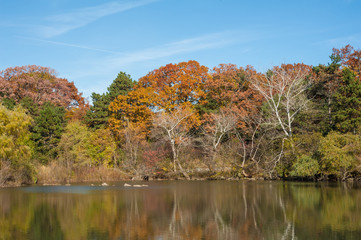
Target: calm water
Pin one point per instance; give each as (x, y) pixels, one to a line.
(182, 210)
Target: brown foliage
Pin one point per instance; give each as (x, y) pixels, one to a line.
(77, 113)
(56, 173)
(230, 88)
(39, 84)
(349, 57)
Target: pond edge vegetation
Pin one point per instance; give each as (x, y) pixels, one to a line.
(185, 121)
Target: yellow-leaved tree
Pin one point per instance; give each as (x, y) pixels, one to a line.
(130, 121)
(15, 146)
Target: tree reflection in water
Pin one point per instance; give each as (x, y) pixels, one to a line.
(45, 224)
(184, 210)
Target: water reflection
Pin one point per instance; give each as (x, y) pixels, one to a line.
(45, 224)
(183, 210)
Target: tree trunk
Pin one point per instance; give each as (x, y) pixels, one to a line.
(175, 156)
(183, 171)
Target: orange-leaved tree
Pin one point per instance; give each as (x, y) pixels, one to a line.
(168, 91)
(135, 108)
(176, 84)
(178, 89)
(163, 89)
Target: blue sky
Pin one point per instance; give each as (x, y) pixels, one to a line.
(89, 42)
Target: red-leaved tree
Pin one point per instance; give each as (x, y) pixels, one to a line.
(40, 84)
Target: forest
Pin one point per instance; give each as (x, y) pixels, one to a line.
(185, 121)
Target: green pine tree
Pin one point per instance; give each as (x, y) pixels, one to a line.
(321, 94)
(120, 86)
(97, 116)
(347, 103)
(47, 131)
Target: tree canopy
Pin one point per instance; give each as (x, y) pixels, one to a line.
(39, 84)
(186, 120)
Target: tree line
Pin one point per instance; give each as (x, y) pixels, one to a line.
(293, 121)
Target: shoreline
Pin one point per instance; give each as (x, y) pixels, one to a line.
(97, 182)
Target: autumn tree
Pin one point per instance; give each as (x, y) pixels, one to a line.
(348, 57)
(39, 84)
(162, 89)
(133, 142)
(165, 88)
(73, 146)
(135, 107)
(230, 86)
(81, 148)
(102, 148)
(130, 121)
(15, 146)
(230, 89)
(176, 84)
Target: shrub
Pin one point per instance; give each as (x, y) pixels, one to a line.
(305, 166)
(339, 154)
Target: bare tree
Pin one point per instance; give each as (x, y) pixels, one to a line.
(284, 89)
(176, 125)
(251, 137)
(217, 126)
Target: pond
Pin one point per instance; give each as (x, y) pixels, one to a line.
(183, 210)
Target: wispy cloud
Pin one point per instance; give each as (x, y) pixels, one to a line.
(70, 45)
(354, 39)
(106, 66)
(209, 41)
(63, 23)
(205, 42)
(144, 60)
